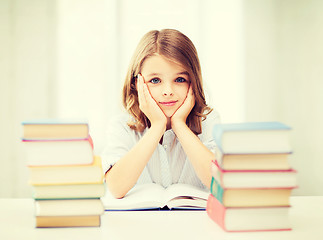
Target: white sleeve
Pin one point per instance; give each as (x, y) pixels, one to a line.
(206, 136)
(119, 140)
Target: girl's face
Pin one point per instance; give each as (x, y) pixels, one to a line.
(167, 82)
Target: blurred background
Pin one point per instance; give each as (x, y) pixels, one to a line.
(262, 60)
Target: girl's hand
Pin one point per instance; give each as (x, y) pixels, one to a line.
(148, 105)
(184, 110)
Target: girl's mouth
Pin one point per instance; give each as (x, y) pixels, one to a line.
(169, 103)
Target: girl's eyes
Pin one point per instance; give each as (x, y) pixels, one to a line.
(157, 80)
(180, 80)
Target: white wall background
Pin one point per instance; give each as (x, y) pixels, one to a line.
(261, 61)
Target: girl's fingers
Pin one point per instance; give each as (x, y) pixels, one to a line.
(140, 88)
(149, 98)
(146, 91)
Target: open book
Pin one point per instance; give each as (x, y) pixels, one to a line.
(154, 196)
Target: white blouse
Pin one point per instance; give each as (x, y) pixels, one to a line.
(169, 163)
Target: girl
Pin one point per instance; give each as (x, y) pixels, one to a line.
(168, 137)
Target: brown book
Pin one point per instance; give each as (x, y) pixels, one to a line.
(53, 129)
(68, 221)
(251, 197)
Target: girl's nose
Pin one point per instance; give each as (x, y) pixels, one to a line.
(167, 94)
(168, 91)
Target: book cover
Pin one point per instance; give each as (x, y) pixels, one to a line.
(66, 175)
(154, 196)
(254, 178)
(252, 137)
(251, 197)
(248, 219)
(68, 221)
(58, 152)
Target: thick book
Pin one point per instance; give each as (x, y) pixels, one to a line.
(68, 221)
(252, 137)
(251, 197)
(68, 191)
(58, 152)
(272, 161)
(254, 178)
(69, 207)
(154, 196)
(55, 129)
(248, 219)
(66, 175)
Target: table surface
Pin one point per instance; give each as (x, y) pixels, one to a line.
(17, 221)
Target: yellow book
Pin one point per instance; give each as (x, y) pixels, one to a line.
(68, 191)
(70, 174)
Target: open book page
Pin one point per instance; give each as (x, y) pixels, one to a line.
(185, 196)
(143, 196)
(153, 196)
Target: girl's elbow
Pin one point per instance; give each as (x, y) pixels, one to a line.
(115, 189)
(118, 195)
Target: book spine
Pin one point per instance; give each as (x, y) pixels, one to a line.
(216, 211)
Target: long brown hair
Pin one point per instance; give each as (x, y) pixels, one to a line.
(178, 48)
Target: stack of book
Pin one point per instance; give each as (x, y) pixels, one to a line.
(252, 178)
(66, 177)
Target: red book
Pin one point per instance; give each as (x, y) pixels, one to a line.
(248, 219)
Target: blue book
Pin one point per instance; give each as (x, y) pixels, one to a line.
(252, 137)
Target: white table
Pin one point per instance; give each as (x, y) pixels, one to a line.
(17, 221)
